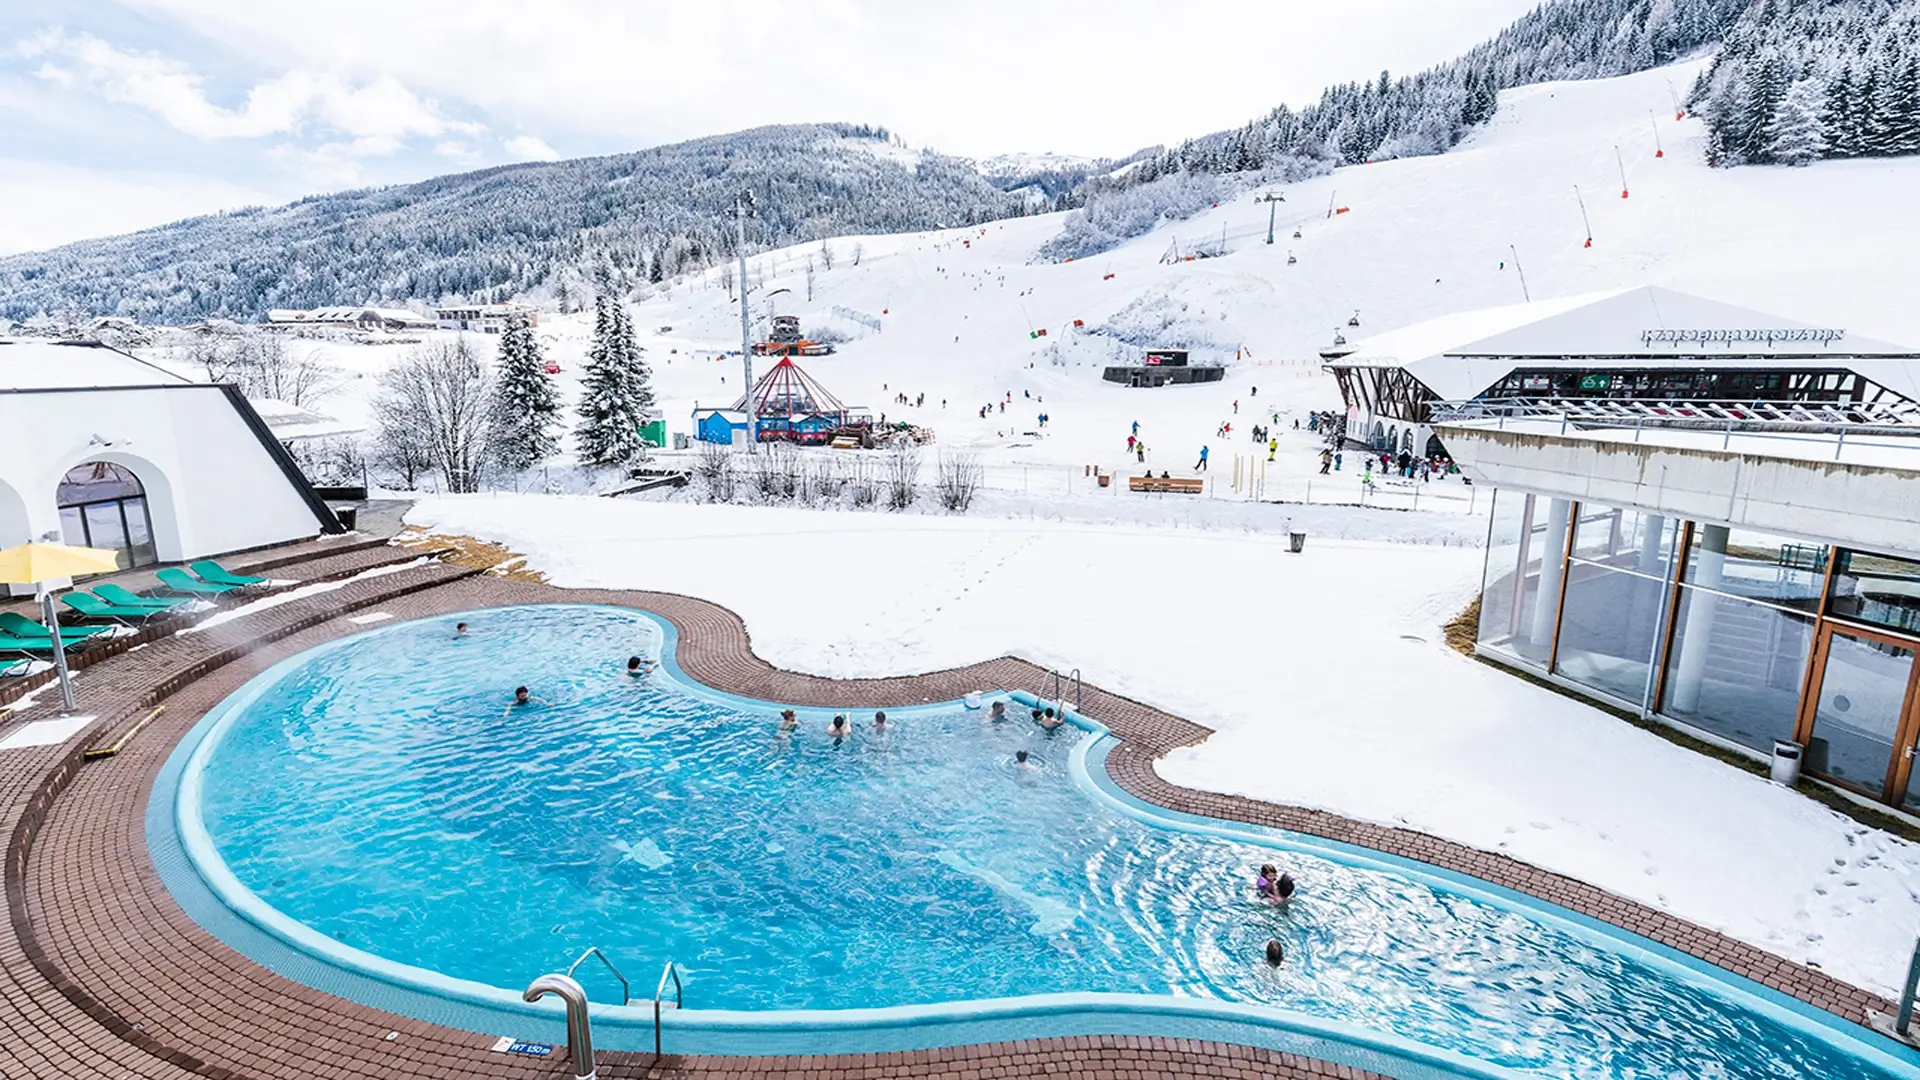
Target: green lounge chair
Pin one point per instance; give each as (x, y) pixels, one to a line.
(180, 581)
(211, 571)
(93, 607)
(18, 626)
(125, 597)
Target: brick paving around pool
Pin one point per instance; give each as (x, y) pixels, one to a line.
(102, 974)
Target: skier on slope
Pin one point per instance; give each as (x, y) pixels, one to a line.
(1201, 465)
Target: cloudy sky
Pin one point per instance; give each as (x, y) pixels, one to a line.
(118, 114)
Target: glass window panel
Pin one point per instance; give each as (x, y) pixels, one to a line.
(96, 481)
(1609, 628)
(1877, 589)
(1626, 539)
(1912, 799)
(73, 527)
(139, 532)
(1512, 578)
(1862, 698)
(1777, 569)
(1736, 668)
(104, 530)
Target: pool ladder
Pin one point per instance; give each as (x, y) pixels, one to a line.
(1058, 682)
(574, 996)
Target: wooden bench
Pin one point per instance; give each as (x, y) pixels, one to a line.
(1184, 485)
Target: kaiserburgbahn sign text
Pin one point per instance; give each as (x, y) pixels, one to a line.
(1768, 336)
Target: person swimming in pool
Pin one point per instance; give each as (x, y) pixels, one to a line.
(880, 725)
(1273, 886)
(1046, 719)
(839, 729)
(788, 721)
(1276, 952)
(521, 696)
(998, 712)
(1022, 760)
(639, 667)
(459, 629)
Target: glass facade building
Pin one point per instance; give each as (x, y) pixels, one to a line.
(1743, 636)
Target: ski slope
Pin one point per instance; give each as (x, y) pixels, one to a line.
(1832, 244)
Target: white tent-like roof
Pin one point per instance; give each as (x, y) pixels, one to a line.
(290, 423)
(39, 364)
(1458, 356)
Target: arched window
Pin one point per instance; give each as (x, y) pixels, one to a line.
(103, 505)
(1406, 441)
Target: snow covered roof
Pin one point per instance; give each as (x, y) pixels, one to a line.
(738, 416)
(59, 365)
(1458, 356)
(290, 422)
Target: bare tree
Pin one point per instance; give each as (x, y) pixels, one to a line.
(956, 480)
(715, 467)
(436, 398)
(903, 474)
(809, 279)
(283, 374)
(826, 254)
(726, 278)
(860, 484)
(859, 249)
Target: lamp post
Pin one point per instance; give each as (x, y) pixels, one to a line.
(742, 208)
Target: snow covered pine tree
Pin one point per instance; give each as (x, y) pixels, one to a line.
(1797, 134)
(526, 407)
(615, 390)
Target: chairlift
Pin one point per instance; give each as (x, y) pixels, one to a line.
(1290, 259)
(1338, 337)
(1296, 234)
(1355, 321)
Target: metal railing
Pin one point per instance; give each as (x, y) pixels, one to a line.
(1903, 1024)
(1059, 685)
(626, 992)
(579, 1028)
(1890, 425)
(672, 971)
(1904, 416)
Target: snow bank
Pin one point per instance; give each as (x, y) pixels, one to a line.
(1322, 674)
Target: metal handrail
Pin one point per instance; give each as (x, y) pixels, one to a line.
(672, 970)
(626, 992)
(1076, 691)
(579, 1028)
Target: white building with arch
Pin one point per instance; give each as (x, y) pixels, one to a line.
(107, 450)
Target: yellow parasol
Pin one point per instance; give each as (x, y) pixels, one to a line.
(36, 563)
(32, 563)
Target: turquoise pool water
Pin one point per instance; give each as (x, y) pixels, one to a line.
(381, 793)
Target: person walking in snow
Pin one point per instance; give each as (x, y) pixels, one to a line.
(1201, 465)
(1140, 449)
(1130, 441)
(1236, 406)
(1136, 427)
(1337, 455)
(1326, 461)
(1273, 447)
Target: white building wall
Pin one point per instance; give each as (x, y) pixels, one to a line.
(211, 486)
(1870, 506)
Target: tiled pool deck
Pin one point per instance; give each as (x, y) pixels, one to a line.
(102, 974)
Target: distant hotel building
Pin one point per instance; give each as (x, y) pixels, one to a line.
(351, 318)
(485, 318)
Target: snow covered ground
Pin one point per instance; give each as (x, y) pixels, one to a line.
(1835, 244)
(1323, 675)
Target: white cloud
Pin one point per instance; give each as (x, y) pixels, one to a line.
(530, 148)
(986, 77)
(378, 109)
(70, 203)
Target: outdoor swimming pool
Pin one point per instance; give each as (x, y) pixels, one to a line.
(379, 791)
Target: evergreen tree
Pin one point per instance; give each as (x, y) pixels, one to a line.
(1797, 135)
(525, 408)
(612, 391)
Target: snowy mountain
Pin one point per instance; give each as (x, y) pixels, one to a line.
(556, 231)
